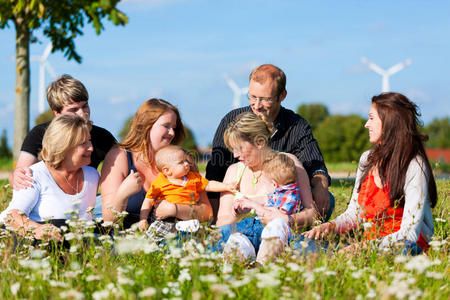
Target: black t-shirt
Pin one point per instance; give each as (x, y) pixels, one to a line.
(102, 141)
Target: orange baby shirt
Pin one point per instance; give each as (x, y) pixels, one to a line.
(163, 189)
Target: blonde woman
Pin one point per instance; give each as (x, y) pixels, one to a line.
(62, 181)
(130, 168)
(247, 137)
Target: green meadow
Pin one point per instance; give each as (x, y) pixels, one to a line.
(130, 266)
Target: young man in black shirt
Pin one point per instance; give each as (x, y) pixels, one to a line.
(66, 95)
(267, 89)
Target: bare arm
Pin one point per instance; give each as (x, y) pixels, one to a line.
(321, 196)
(217, 186)
(18, 220)
(225, 214)
(116, 184)
(20, 178)
(145, 211)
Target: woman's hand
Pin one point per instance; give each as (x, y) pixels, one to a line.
(320, 231)
(268, 214)
(164, 209)
(132, 183)
(47, 232)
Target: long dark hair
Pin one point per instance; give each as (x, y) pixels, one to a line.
(399, 143)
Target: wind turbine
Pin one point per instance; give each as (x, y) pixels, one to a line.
(43, 65)
(236, 90)
(386, 73)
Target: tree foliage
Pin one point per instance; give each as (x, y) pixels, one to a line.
(61, 21)
(342, 138)
(438, 132)
(46, 116)
(5, 152)
(314, 113)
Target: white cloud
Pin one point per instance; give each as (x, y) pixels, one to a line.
(418, 96)
(122, 98)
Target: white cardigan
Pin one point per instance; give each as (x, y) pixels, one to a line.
(417, 217)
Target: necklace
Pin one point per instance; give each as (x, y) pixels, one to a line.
(255, 178)
(74, 189)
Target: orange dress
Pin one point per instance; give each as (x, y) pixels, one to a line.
(163, 189)
(377, 209)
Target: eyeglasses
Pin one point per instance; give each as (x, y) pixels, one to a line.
(264, 100)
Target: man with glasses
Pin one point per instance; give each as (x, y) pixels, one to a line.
(266, 91)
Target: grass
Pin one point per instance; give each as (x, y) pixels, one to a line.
(6, 164)
(135, 268)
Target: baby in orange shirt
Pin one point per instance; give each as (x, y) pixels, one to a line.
(176, 183)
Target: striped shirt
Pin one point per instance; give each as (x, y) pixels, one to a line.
(293, 135)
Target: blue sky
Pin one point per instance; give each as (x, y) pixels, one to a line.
(178, 50)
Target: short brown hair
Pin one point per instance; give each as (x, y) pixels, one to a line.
(280, 168)
(137, 139)
(65, 90)
(264, 72)
(64, 132)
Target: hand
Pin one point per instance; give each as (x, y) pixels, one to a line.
(320, 231)
(231, 187)
(143, 225)
(132, 183)
(164, 209)
(243, 206)
(267, 214)
(22, 178)
(47, 232)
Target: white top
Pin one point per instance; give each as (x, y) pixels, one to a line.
(45, 200)
(417, 217)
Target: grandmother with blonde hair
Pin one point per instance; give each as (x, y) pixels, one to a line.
(247, 136)
(63, 183)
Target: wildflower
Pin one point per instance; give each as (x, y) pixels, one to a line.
(434, 275)
(37, 253)
(222, 289)
(309, 277)
(357, 274)
(71, 294)
(69, 236)
(147, 292)
(73, 249)
(54, 283)
(239, 283)
(100, 295)
(209, 278)
(367, 225)
(316, 296)
(93, 278)
(107, 224)
(266, 280)
(122, 280)
(184, 275)
(418, 263)
(371, 294)
(15, 288)
(440, 220)
(294, 267)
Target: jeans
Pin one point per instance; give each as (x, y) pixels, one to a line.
(250, 227)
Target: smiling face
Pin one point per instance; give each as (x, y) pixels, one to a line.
(80, 155)
(263, 99)
(163, 130)
(374, 125)
(248, 153)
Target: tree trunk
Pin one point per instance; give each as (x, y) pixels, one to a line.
(22, 88)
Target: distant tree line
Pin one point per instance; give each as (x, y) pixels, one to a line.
(340, 137)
